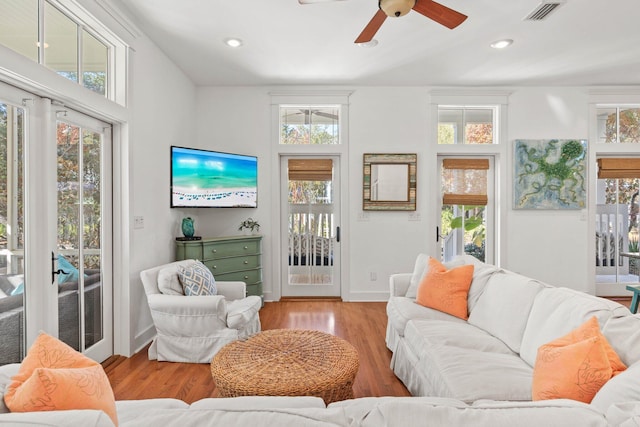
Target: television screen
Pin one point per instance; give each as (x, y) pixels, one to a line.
(211, 179)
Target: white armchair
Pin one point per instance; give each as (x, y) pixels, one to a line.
(194, 328)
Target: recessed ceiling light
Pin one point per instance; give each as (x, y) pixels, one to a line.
(233, 42)
(370, 43)
(501, 44)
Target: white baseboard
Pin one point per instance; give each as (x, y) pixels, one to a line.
(381, 296)
(144, 338)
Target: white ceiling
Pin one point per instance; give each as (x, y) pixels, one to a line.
(583, 42)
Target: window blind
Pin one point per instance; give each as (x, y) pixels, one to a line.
(310, 169)
(464, 181)
(618, 168)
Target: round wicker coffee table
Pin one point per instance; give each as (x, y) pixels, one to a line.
(287, 362)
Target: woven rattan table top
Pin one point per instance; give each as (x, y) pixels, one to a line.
(287, 362)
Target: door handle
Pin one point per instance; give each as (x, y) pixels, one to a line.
(53, 270)
(337, 234)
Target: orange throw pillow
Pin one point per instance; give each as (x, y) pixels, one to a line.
(54, 376)
(446, 290)
(575, 366)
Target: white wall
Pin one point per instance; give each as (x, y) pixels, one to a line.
(162, 109)
(548, 245)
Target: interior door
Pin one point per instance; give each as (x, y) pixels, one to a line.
(310, 224)
(83, 229)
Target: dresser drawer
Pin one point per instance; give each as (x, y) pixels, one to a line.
(228, 249)
(224, 265)
(248, 276)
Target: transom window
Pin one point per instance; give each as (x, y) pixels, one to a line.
(467, 125)
(309, 124)
(618, 124)
(47, 33)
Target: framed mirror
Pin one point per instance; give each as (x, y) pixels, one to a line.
(389, 182)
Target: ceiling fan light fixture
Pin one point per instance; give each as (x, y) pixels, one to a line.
(396, 8)
(370, 43)
(233, 42)
(501, 44)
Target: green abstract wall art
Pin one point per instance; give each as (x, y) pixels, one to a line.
(550, 174)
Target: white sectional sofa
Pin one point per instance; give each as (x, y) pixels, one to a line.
(491, 355)
(474, 372)
(312, 412)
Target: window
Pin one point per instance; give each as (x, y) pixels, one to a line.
(309, 125)
(618, 124)
(463, 227)
(68, 46)
(617, 221)
(466, 125)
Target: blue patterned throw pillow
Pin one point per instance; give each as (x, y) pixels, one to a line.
(196, 279)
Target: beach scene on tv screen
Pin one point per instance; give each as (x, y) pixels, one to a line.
(212, 179)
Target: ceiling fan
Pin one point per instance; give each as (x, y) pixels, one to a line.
(396, 8)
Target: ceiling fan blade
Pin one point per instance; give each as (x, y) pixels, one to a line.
(439, 13)
(372, 27)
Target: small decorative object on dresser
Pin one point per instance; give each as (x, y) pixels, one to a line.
(187, 227)
(229, 258)
(249, 225)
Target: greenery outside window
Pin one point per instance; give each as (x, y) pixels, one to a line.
(618, 124)
(467, 125)
(309, 124)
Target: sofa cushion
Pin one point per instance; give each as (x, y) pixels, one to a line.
(196, 279)
(570, 370)
(446, 290)
(624, 387)
(429, 411)
(401, 310)
(470, 375)
(503, 309)
(420, 269)
(459, 361)
(168, 281)
(556, 311)
(623, 333)
(53, 376)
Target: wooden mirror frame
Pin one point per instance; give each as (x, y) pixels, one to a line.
(369, 159)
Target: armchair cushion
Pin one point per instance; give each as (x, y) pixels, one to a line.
(168, 282)
(196, 279)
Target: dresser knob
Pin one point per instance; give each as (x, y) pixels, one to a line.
(215, 267)
(246, 262)
(215, 251)
(246, 247)
(246, 277)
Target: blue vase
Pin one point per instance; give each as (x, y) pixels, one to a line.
(187, 227)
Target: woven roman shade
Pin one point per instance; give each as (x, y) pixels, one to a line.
(310, 169)
(618, 168)
(464, 181)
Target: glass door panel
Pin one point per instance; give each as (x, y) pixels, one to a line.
(13, 285)
(80, 302)
(312, 250)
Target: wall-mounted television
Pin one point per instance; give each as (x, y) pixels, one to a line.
(212, 179)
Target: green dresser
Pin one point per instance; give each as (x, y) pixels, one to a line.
(229, 258)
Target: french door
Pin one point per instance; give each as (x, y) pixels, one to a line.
(310, 250)
(55, 227)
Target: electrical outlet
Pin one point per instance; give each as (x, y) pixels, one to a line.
(363, 216)
(138, 222)
(373, 276)
(414, 216)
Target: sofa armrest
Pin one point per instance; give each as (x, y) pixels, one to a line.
(399, 283)
(232, 290)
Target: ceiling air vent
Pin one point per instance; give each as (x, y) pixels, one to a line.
(543, 10)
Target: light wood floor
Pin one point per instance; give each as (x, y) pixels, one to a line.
(362, 324)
